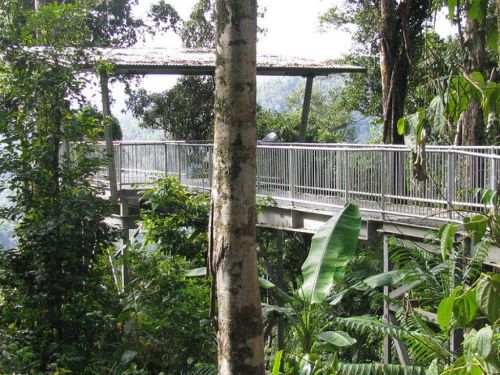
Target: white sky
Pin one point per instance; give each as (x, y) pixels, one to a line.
(292, 29)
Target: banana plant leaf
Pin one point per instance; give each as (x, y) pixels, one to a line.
(332, 247)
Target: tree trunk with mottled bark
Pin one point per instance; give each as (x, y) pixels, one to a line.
(473, 130)
(233, 257)
(393, 68)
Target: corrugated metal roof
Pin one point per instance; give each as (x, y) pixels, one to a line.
(202, 61)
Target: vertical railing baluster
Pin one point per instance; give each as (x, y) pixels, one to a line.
(450, 183)
(210, 165)
(165, 148)
(346, 174)
(382, 182)
(119, 166)
(493, 173)
(291, 173)
(179, 162)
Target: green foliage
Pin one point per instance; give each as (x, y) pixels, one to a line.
(376, 369)
(57, 311)
(185, 112)
(164, 320)
(328, 119)
(332, 247)
(175, 220)
(90, 119)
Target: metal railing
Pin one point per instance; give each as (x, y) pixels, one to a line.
(378, 178)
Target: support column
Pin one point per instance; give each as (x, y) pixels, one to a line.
(387, 338)
(108, 135)
(124, 214)
(401, 349)
(305, 109)
(281, 284)
(306, 105)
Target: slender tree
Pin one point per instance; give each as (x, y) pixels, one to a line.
(400, 25)
(233, 259)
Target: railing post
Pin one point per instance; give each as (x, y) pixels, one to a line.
(210, 165)
(494, 184)
(119, 166)
(450, 183)
(257, 179)
(291, 173)
(165, 150)
(346, 174)
(382, 182)
(179, 161)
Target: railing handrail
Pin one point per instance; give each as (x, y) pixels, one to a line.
(377, 177)
(462, 150)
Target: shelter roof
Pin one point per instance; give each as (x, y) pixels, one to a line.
(202, 62)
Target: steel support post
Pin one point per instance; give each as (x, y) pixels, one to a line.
(305, 109)
(450, 183)
(108, 135)
(124, 214)
(387, 268)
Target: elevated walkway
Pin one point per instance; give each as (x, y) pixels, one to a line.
(302, 185)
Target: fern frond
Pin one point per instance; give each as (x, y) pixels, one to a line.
(473, 268)
(377, 369)
(368, 323)
(205, 369)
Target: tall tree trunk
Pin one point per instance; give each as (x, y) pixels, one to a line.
(472, 121)
(400, 24)
(234, 258)
(40, 3)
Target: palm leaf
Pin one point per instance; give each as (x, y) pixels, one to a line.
(332, 247)
(376, 369)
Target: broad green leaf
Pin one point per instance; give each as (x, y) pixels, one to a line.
(492, 37)
(465, 308)
(371, 282)
(401, 125)
(128, 356)
(477, 10)
(452, 4)
(332, 247)
(458, 96)
(435, 114)
(414, 126)
(268, 285)
(338, 297)
(277, 362)
(384, 279)
(488, 296)
(283, 311)
(447, 238)
(197, 272)
(484, 342)
(477, 77)
(445, 310)
(432, 369)
(476, 227)
(339, 339)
